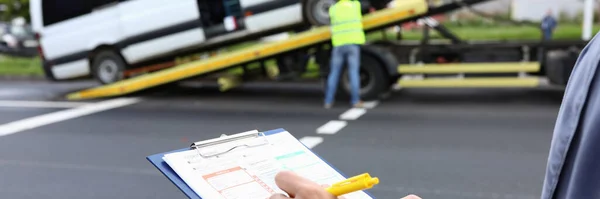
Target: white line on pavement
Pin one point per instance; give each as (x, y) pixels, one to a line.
(80, 167)
(332, 127)
(353, 114)
(41, 120)
(39, 104)
(371, 104)
(310, 141)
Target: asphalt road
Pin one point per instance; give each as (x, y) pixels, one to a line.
(464, 143)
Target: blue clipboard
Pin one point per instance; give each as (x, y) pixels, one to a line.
(166, 170)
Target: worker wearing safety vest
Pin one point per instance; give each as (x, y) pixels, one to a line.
(347, 35)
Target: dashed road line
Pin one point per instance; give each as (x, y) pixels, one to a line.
(80, 167)
(46, 119)
(371, 104)
(451, 193)
(310, 141)
(332, 127)
(353, 114)
(40, 104)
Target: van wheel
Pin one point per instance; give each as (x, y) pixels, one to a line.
(380, 4)
(108, 67)
(317, 11)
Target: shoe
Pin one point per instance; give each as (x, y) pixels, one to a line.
(328, 106)
(359, 104)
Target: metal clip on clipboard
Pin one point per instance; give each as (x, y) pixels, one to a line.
(224, 144)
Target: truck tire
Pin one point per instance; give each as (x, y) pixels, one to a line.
(108, 67)
(316, 12)
(374, 77)
(291, 65)
(559, 65)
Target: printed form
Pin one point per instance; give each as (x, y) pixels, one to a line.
(249, 173)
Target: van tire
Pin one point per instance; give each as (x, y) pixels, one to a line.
(317, 11)
(108, 67)
(379, 4)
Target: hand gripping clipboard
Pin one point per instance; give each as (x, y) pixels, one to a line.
(203, 148)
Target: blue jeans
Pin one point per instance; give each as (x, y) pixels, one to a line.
(350, 53)
(547, 34)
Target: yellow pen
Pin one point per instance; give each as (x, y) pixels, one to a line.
(356, 183)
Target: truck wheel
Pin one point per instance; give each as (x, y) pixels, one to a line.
(108, 67)
(291, 65)
(374, 80)
(559, 65)
(317, 11)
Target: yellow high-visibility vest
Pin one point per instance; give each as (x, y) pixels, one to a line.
(346, 23)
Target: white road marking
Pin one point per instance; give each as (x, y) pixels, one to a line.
(451, 193)
(371, 104)
(39, 104)
(81, 167)
(41, 120)
(310, 141)
(353, 114)
(332, 127)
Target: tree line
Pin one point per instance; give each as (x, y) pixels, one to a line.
(10, 9)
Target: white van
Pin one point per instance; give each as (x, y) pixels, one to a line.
(104, 38)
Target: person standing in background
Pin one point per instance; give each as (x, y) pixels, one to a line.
(347, 35)
(548, 25)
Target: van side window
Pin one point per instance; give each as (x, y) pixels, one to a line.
(55, 11)
(100, 3)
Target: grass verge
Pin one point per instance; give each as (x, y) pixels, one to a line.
(563, 32)
(17, 66)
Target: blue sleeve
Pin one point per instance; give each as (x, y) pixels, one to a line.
(567, 123)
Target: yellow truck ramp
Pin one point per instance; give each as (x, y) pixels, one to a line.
(409, 8)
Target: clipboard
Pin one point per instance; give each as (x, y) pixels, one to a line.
(165, 169)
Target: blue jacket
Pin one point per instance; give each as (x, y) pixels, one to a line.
(573, 170)
(548, 23)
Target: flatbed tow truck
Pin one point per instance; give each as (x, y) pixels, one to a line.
(384, 64)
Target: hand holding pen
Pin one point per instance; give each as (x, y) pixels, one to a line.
(301, 188)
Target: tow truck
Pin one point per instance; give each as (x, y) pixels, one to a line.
(384, 64)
